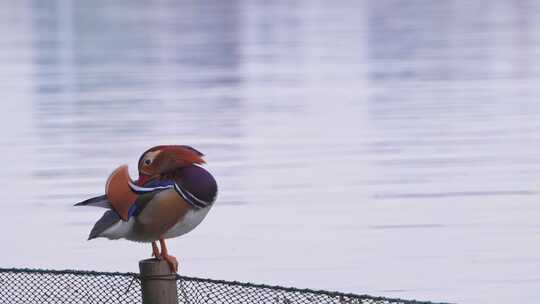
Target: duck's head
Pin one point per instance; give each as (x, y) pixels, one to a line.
(160, 160)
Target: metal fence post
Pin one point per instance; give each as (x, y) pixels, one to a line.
(158, 282)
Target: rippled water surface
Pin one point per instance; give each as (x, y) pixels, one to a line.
(381, 147)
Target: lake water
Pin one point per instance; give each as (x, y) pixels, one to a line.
(380, 147)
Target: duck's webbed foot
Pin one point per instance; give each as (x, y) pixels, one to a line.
(171, 260)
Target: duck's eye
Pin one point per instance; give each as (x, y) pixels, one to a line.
(147, 161)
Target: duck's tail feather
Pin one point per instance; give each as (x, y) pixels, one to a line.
(109, 219)
(98, 201)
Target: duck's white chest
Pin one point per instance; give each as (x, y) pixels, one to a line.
(191, 220)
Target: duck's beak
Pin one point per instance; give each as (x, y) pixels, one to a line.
(143, 178)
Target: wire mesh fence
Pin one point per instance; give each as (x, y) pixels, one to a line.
(30, 286)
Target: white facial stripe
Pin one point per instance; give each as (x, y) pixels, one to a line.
(148, 156)
(151, 155)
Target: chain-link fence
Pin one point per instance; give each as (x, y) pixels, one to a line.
(70, 286)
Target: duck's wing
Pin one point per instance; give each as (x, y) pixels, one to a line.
(118, 195)
(141, 203)
(107, 225)
(107, 220)
(98, 201)
(122, 195)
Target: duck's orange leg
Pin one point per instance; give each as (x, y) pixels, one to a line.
(155, 251)
(173, 263)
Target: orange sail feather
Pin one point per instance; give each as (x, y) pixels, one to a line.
(119, 193)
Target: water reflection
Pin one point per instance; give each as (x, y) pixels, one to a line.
(450, 97)
(110, 83)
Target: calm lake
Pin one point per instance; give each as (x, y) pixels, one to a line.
(379, 147)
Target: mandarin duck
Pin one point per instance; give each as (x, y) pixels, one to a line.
(172, 195)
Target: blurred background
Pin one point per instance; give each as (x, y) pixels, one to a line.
(380, 147)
